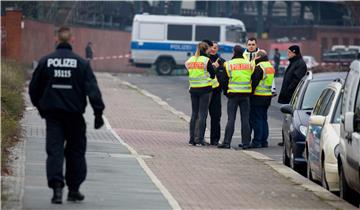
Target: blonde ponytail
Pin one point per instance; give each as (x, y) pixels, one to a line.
(202, 46)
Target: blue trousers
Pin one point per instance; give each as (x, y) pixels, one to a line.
(259, 124)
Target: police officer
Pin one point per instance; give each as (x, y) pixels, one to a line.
(250, 53)
(251, 49)
(239, 89)
(262, 79)
(201, 73)
(58, 89)
(215, 99)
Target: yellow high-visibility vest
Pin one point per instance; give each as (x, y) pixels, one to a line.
(198, 74)
(264, 87)
(239, 71)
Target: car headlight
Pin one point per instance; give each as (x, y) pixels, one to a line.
(303, 130)
(336, 150)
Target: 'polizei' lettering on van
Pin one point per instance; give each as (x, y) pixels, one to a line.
(62, 62)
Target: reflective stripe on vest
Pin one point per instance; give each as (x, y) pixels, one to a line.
(239, 71)
(198, 74)
(264, 87)
(215, 83)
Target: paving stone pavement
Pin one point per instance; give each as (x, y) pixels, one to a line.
(115, 179)
(197, 177)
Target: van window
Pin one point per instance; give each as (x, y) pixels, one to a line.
(179, 32)
(151, 31)
(336, 117)
(207, 32)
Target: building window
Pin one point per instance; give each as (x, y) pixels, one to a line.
(324, 43)
(207, 32)
(346, 41)
(180, 32)
(356, 41)
(335, 41)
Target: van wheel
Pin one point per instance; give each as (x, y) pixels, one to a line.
(164, 66)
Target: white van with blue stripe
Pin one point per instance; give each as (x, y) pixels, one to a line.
(168, 41)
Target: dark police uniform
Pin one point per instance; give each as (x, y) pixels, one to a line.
(59, 88)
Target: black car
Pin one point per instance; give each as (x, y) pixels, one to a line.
(297, 113)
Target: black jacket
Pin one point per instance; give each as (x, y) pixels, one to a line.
(256, 77)
(293, 74)
(61, 82)
(89, 52)
(211, 71)
(226, 84)
(219, 72)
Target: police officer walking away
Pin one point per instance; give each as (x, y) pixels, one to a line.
(262, 79)
(201, 73)
(215, 99)
(58, 89)
(239, 72)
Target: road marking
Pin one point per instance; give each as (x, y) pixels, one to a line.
(173, 203)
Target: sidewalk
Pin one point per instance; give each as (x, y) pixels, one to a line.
(115, 178)
(202, 177)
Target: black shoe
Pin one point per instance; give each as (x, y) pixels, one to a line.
(281, 144)
(75, 196)
(214, 143)
(224, 146)
(252, 145)
(191, 143)
(57, 197)
(264, 145)
(245, 146)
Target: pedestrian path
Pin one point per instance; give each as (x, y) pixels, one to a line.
(201, 177)
(115, 178)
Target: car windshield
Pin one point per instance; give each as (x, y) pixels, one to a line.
(312, 93)
(235, 34)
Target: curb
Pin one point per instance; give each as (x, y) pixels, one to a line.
(288, 173)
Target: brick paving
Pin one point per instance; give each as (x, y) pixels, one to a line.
(197, 177)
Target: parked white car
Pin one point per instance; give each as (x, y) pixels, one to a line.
(349, 147)
(323, 137)
(310, 61)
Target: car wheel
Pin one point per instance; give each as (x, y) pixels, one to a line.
(296, 167)
(323, 177)
(285, 158)
(308, 167)
(164, 66)
(346, 192)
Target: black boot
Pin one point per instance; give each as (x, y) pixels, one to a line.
(57, 198)
(224, 146)
(75, 196)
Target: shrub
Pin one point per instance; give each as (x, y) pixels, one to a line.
(13, 77)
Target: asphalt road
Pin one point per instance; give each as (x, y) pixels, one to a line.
(174, 90)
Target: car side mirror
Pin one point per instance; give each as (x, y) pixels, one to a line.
(317, 120)
(286, 109)
(349, 122)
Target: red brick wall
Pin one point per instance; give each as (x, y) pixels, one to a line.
(11, 35)
(40, 39)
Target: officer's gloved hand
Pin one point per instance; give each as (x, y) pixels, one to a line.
(99, 121)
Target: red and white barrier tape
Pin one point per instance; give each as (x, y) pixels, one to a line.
(112, 57)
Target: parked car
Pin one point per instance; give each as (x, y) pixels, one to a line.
(323, 136)
(310, 61)
(349, 147)
(297, 113)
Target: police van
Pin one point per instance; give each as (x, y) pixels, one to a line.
(166, 42)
